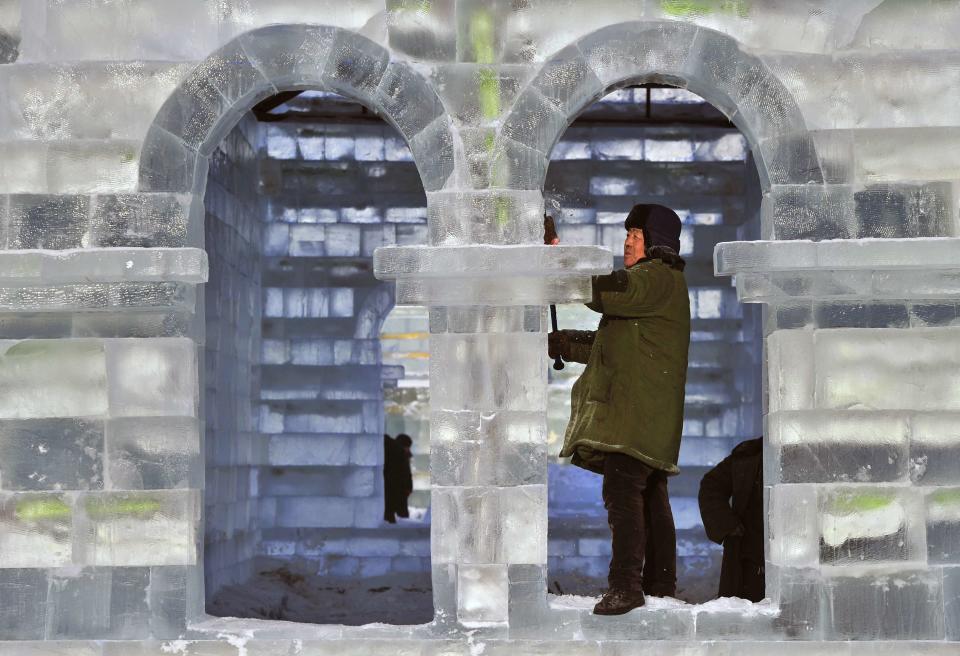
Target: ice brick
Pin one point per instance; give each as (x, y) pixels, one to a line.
(138, 528)
(422, 31)
(482, 593)
(902, 605)
(37, 529)
(23, 592)
(522, 354)
(150, 453)
(51, 454)
(89, 100)
(99, 603)
(935, 448)
(793, 526)
(951, 601)
(152, 377)
(801, 599)
(355, 65)
(485, 217)
(887, 368)
(943, 526)
(52, 378)
(842, 447)
(865, 524)
(530, 614)
(72, 32)
(790, 370)
(473, 449)
(100, 166)
(290, 55)
(809, 212)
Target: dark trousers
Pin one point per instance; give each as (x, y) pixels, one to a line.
(640, 518)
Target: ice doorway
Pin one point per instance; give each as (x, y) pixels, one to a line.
(298, 196)
(658, 144)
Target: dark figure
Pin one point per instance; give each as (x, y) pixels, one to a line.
(397, 476)
(739, 528)
(627, 407)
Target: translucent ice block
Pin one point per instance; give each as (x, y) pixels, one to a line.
(524, 515)
(93, 100)
(935, 448)
(793, 526)
(24, 591)
(522, 354)
(139, 528)
(888, 368)
(72, 32)
(943, 526)
(844, 446)
(52, 378)
(152, 377)
(99, 602)
(51, 454)
(92, 166)
(37, 530)
(152, 453)
(482, 593)
(870, 524)
(790, 370)
(896, 605)
(289, 55)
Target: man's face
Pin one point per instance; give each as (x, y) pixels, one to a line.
(634, 248)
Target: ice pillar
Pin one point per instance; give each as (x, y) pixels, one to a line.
(488, 379)
(861, 448)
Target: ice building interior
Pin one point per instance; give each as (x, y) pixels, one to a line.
(218, 218)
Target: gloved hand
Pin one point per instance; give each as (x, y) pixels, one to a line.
(557, 344)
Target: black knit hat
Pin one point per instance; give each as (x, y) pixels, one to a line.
(661, 225)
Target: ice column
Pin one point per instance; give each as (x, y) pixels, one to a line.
(862, 450)
(488, 377)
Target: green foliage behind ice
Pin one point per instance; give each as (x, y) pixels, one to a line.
(948, 497)
(693, 8)
(44, 509)
(103, 509)
(857, 502)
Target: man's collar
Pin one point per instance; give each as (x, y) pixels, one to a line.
(640, 261)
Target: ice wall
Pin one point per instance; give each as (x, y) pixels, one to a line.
(233, 306)
(111, 113)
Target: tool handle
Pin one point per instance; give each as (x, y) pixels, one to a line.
(557, 361)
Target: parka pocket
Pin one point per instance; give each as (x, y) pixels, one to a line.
(601, 379)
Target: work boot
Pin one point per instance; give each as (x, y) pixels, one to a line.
(618, 602)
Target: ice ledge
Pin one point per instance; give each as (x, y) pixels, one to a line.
(27, 268)
(483, 261)
(842, 269)
(491, 275)
(928, 253)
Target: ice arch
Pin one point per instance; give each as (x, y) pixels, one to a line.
(709, 63)
(265, 61)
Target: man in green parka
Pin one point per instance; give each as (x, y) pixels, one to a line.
(627, 408)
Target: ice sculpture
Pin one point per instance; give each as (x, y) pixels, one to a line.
(111, 113)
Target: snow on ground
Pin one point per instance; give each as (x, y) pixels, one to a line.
(722, 605)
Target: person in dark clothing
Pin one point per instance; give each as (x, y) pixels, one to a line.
(731, 505)
(626, 414)
(397, 476)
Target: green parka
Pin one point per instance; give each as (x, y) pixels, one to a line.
(630, 397)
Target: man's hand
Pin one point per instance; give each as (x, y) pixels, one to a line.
(557, 344)
(550, 237)
(734, 535)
